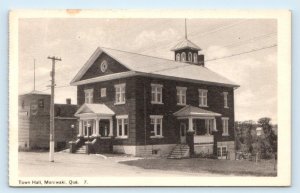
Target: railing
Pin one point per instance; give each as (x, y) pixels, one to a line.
(203, 139)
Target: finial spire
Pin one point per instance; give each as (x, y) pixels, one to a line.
(185, 29)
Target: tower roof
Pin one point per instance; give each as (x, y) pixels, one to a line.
(184, 44)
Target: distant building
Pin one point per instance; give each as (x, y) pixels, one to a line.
(144, 105)
(34, 121)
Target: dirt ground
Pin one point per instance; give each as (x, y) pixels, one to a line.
(82, 165)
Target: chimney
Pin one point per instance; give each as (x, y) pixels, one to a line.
(68, 101)
(201, 60)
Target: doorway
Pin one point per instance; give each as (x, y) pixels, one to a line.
(183, 130)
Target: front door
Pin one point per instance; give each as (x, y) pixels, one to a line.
(104, 128)
(183, 129)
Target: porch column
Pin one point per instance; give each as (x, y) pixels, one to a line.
(190, 124)
(80, 129)
(97, 127)
(215, 125)
(110, 127)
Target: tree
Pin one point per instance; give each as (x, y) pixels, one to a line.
(269, 138)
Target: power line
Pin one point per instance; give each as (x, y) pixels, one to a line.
(247, 52)
(247, 40)
(229, 56)
(196, 34)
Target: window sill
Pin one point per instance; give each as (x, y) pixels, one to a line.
(225, 135)
(181, 104)
(157, 103)
(226, 107)
(156, 137)
(106, 137)
(119, 103)
(121, 137)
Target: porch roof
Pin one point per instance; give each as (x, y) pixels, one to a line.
(92, 109)
(191, 111)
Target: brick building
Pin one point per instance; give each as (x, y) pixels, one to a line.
(143, 105)
(34, 121)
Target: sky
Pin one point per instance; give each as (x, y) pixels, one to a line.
(228, 45)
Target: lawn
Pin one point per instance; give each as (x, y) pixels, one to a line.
(197, 165)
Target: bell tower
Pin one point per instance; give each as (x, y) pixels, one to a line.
(187, 51)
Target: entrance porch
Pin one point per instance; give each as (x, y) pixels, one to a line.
(197, 127)
(95, 129)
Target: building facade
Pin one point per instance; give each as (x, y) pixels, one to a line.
(143, 105)
(34, 122)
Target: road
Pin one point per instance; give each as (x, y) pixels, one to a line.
(82, 165)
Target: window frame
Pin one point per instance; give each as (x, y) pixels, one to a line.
(155, 123)
(121, 92)
(190, 57)
(225, 127)
(122, 118)
(221, 156)
(103, 92)
(155, 92)
(203, 95)
(89, 96)
(180, 92)
(178, 57)
(195, 58)
(183, 57)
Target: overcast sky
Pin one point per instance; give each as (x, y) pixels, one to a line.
(74, 40)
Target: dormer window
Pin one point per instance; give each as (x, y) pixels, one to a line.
(190, 57)
(195, 58)
(183, 57)
(177, 57)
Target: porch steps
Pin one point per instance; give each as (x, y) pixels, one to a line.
(81, 150)
(180, 151)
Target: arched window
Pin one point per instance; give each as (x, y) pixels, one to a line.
(190, 57)
(183, 57)
(195, 57)
(177, 57)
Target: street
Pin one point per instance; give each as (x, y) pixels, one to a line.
(81, 165)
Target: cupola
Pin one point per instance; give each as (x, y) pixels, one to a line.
(187, 51)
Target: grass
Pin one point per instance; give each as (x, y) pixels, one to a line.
(198, 165)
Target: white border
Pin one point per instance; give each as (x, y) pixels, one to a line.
(284, 95)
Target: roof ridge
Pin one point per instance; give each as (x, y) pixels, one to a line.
(143, 55)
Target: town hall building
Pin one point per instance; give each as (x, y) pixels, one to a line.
(148, 106)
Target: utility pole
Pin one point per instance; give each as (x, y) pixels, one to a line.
(52, 73)
(34, 75)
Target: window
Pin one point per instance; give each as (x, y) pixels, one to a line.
(41, 103)
(120, 93)
(190, 57)
(183, 57)
(103, 92)
(156, 126)
(181, 95)
(225, 94)
(122, 126)
(89, 95)
(222, 152)
(177, 57)
(156, 94)
(88, 127)
(195, 57)
(209, 126)
(225, 125)
(202, 97)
